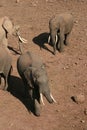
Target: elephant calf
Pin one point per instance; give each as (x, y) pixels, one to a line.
(33, 72)
(60, 27)
(5, 66)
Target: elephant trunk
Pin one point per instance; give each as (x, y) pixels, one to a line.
(37, 108)
(48, 97)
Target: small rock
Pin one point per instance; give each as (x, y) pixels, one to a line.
(76, 21)
(80, 98)
(76, 63)
(85, 64)
(34, 3)
(85, 111)
(82, 121)
(74, 86)
(17, 1)
(66, 67)
(57, 110)
(73, 126)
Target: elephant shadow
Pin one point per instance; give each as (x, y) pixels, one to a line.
(41, 40)
(17, 89)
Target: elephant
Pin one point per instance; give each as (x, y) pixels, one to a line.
(5, 67)
(7, 27)
(33, 73)
(60, 27)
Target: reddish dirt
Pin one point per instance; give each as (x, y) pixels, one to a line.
(67, 71)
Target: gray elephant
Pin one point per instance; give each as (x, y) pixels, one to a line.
(7, 27)
(33, 72)
(5, 67)
(60, 27)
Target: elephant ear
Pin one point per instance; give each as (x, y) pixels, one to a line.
(7, 25)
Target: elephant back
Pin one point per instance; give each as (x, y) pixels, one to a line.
(36, 60)
(29, 59)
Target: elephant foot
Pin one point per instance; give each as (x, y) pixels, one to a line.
(6, 86)
(61, 50)
(66, 43)
(54, 52)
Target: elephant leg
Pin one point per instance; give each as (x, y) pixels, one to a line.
(58, 42)
(58, 46)
(66, 42)
(54, 48)
(1, 83)
(30, 91)
(6, 83)
(61, 41)
(54, 40)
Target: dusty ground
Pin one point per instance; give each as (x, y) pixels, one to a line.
(67, 71)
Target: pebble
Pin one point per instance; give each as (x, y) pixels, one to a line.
(80, 98)
(85, 111)
(82, 121)
(17, 1)
(76, 22)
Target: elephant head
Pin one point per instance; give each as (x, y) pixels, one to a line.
(41, 79)
(9, 27)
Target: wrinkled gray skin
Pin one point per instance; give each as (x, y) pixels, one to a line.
(33, 73)
(7, 27)
(60, 25)
(5, 66)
